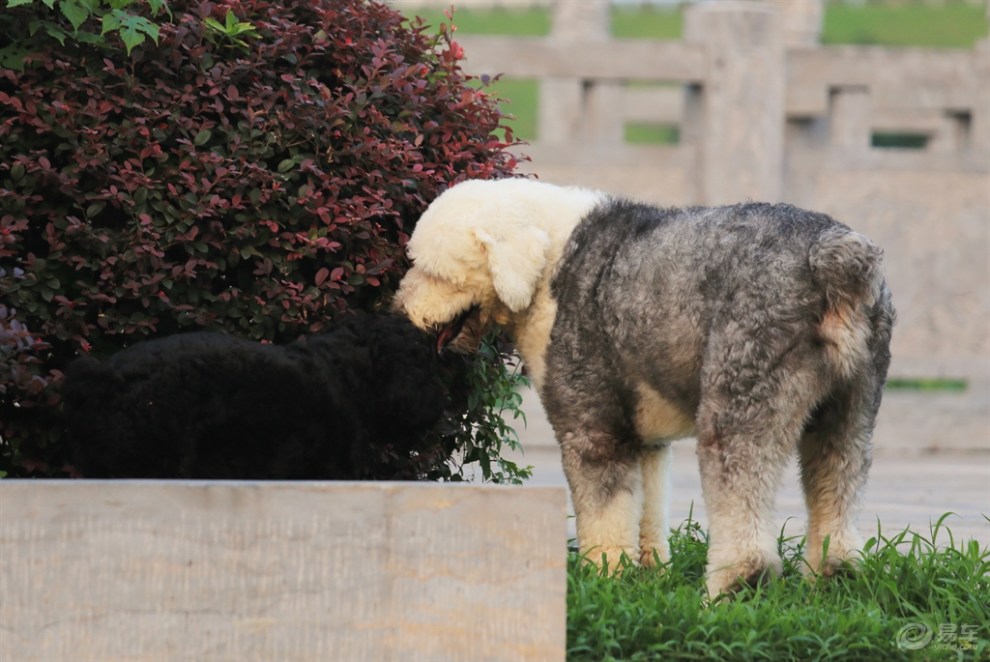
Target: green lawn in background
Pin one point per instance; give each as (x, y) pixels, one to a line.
(644, 133)
(646, 23)
(952, 24)
(522, 22)
(520, 99)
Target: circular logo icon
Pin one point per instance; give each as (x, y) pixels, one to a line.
(913, 636)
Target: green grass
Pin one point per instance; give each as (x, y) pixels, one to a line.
(927, 384)
(906, 579)
(949, 25)
(520, 98)
(953, 24)
(522, 22)
(644, 133)
(646, 23)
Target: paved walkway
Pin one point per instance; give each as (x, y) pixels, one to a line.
(908, 486)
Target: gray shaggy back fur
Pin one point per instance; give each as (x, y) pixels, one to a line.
(652, 294)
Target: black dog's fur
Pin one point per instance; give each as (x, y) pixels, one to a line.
(209, 405)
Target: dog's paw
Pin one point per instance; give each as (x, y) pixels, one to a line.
(837, 561)
(653, 555)
(838, 556)
(834, 567)
(726, 576)
(611, 560)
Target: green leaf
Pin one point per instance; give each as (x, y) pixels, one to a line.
(55, 32)
(202, 137)
(157, 6)
(18, 3)
(214, 24)
(147, 27)
(131, 38)
(89, 38)
(12, 57)
(111, 22)
(95, 209)
(132, 28)
(74, 12)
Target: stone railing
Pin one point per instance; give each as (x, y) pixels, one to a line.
(764, 112)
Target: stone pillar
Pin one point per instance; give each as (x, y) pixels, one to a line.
(741, 100)
(560, 108)
(563, 101)
(602, 122)
(849, 119)
(580, 19)
(802, 21)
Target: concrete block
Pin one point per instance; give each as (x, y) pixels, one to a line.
(280, 571)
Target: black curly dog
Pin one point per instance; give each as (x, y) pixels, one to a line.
(209, 405)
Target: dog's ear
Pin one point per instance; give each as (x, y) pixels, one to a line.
(516, 263)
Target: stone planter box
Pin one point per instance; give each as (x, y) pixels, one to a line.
(280, 571)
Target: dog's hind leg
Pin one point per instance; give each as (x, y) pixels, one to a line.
(655, 464)
(748, 425)
(607, 490)
(835, 449)
(835, 456)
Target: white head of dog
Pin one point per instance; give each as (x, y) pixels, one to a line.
(483, 254)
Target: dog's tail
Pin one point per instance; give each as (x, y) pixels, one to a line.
(849, 268)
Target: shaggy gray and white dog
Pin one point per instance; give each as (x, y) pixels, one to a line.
(757, 328)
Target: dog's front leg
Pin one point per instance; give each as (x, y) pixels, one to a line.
(607, 491)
